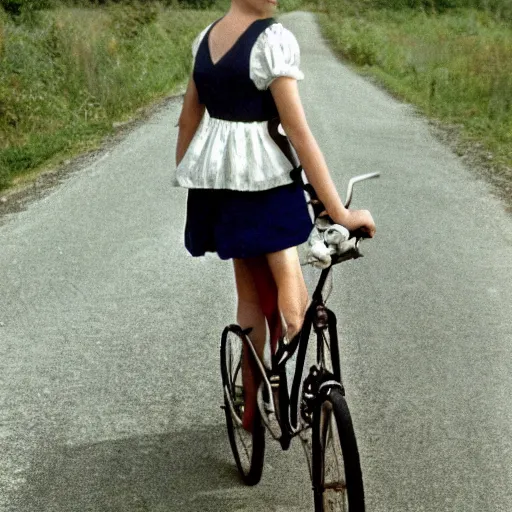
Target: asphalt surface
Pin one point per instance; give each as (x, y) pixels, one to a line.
(109, 331)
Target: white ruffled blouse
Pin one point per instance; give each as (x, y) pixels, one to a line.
(242, 155)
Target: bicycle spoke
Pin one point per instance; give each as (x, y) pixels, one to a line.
(335, 487)
(242, 442)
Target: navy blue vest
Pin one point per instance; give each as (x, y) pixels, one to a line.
(226, 88)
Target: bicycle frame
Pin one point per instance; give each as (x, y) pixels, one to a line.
(322, 320)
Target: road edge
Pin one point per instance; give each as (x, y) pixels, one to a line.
(43, 181)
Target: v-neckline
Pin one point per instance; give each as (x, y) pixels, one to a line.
(214, 64)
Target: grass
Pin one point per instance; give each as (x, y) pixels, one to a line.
(456, 67)
(70, 74)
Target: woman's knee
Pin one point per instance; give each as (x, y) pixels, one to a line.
(292, 291)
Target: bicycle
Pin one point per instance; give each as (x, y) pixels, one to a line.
(314, 408)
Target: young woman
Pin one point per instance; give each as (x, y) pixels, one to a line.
(242, 202)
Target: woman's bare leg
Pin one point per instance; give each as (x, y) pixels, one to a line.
(267, 293)
(266, 287)
(292, 291)
(250, 314)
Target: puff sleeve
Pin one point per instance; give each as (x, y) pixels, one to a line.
(276, 53)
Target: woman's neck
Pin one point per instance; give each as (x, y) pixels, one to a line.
(243, 14)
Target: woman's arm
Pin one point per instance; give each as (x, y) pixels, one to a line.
(286, 96)
(191, 114)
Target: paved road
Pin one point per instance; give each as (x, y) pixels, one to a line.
(109, 388)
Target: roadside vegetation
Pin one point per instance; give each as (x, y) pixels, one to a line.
(72, 70)
(68, 75)
(454, 63)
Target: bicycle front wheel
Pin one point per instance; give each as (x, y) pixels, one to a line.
(336, 469)
(248, 448)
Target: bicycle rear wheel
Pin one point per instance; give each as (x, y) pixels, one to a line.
(336, 470)
(248, 448)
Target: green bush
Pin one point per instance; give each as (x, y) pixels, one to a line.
(64, 82)
(499, 9)
(17, 7)
(456, 67)
(197, 4)
(129, 20)
(290, 5)
(5, 177)
(3, 21)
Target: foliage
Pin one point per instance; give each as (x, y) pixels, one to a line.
(290, 5)
(499, 9)
(66, 74)
(65, 81)
(198, 4)
(16, 7)
(456, 66)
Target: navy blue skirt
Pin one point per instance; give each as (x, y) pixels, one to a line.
(237, 224)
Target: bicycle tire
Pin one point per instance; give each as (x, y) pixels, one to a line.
(248, 448)
(336, 469)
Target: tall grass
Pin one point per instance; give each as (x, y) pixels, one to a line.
(69, 74)
(497, 9)
(456, 66)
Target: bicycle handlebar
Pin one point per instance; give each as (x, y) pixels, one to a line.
(357, 179)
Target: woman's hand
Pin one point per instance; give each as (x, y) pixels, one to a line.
(357, 219)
